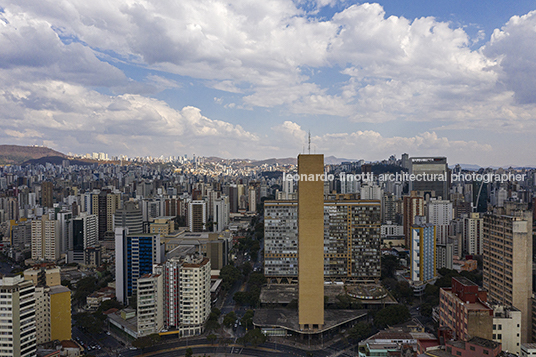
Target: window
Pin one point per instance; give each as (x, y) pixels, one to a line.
(459, 353)
(500, 327)
(486, 352)
(472, 348)
(499, 336)
(493, 337)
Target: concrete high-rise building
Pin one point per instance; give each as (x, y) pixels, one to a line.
(233, 198)
(352, 239)
(440, 214)
(65, 232)
(473, 230)
(45, 239)
(134, 256)
(422, 255)
(104, 204)
(53, 313)
(130, 217)
(389, 211)
(186, 293)
(150, 304)
(43, 275)
(18, 323)
(507, 328)
(413, 207)
(463, 309)
(507, 256)
(173, 207)
(405, 162)
(85, 235)
(371, 192)
(252, 199)
(444, 255)
(47, 189)
(21, 235)
(433, 174)
(281, 239)
(53, 303)
(197, 218)
(221, 213)
(310, 242)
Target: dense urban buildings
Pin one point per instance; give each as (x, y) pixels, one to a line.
(179, 223)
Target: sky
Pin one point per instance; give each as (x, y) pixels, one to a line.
(250, 79)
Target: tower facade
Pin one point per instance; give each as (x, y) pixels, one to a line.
(310, 242)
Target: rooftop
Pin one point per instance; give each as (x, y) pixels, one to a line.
(288, 318)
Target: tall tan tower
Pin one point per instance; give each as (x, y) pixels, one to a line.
(310, 242)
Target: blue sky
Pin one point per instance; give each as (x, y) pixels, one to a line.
(249, 79)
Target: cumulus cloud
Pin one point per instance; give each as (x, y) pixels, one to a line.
(375, 144)
(512, 47)
(57, 109)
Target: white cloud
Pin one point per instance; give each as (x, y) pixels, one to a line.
(512, 47)
(57, 109)
(359, 65)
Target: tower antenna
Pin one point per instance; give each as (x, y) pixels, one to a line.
(309, 143)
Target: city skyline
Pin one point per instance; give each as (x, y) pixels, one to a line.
(249, 80)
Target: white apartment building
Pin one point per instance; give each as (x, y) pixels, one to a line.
(507, 328)
(186, 293)
(17, 308)
(150, 305)
(440, 213)
(45, 239)
(473, 230)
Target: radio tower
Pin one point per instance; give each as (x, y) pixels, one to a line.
(309, 143)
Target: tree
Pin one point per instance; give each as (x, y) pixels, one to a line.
(146, 341)
(216, 311)
(67, 283)
(89, 322)
(391, 315)
(257, 278)
(426, 309)
(255, 337)
(389, 266)
(84, 287)
(360, 331)
(109, 304)
(189, 352)
(246, 268)
(211, 338)
(240, 297)
(212, 322)
(229, 319)
(247, 319)
(343, 301)
(229, 274)
(405, 291)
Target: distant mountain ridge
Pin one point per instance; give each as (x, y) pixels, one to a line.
(17, 155)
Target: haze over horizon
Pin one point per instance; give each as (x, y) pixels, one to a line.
(248, 79)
